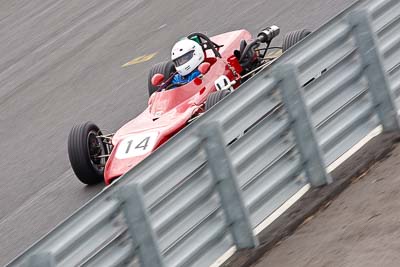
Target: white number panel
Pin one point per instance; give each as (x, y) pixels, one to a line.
(136, 145)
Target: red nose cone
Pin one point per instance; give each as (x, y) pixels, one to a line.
(157, 79)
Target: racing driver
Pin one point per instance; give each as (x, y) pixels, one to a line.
(186, 55)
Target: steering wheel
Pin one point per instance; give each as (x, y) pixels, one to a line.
(169, 86)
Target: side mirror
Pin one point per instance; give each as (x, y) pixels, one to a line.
(204, 67)
(157, 79)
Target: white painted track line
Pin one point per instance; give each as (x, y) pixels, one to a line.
(285, 206)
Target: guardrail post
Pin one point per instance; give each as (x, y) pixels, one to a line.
(379, 87)
(139, 225)
(219, 162)
(302, 126)
(41, 259)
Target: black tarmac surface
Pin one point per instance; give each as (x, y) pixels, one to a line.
(61, 64)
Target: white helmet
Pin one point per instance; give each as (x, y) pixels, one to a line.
(187, 55)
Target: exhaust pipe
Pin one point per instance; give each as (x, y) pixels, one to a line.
(266, 35)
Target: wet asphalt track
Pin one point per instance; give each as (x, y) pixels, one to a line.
(60, 64)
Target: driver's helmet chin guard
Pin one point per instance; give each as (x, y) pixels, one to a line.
(187, 55)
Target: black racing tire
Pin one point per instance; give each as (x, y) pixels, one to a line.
(82, 146)
(292, 38)
(166, 68)
(215, 97)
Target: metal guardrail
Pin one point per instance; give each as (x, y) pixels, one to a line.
(209, 187)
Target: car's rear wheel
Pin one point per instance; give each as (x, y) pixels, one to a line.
(86, 153)
(166, 68)
(215, 97)
(291, 38)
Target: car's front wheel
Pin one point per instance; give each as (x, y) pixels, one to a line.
(87, 152)
(166, 68)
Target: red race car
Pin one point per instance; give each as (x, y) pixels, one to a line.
(229, 59)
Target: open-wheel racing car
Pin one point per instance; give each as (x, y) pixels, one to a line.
(229, 59)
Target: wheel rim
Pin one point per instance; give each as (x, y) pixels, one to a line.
(96, 150)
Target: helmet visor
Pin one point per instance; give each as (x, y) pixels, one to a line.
(183, 59)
